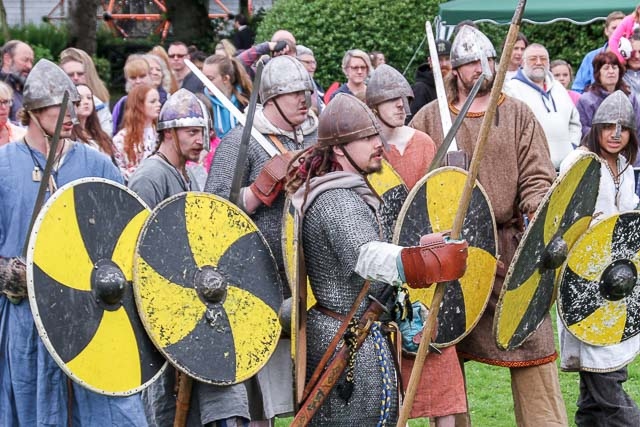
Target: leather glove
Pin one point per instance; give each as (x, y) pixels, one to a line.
(13, 277)
(437, 259)
(270, 181)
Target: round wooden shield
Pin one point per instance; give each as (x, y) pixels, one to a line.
(431, 207)
(529, 286)
(79, 270)
(207, 288)
(598, 294)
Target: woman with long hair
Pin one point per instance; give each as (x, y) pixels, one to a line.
(164, 56)
(159, 75)
(608, 74)
(228, 75)
(79, 66)
(136, 73)
(137, 139)
(89, 130)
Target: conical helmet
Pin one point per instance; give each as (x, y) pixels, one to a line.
(284, 74)
(45, 86)
(468, 45)
(616, 109)
(386, 83)
(182, 109)
(346, 119)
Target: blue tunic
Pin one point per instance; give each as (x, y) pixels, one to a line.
(33, 389)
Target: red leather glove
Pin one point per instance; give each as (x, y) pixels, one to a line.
(270, 181)
(435, 260)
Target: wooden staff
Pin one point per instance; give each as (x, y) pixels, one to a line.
(478, 152)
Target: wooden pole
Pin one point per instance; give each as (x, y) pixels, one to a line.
(496, 91)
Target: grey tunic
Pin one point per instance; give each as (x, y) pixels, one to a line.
(336, 225)
(156, 180)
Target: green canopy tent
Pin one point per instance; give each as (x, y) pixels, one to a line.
(536, 11)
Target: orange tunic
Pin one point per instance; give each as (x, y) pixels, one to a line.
(441, 388)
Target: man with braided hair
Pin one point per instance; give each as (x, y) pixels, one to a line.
(285, 119)
(33, 389)
(346, 257)
(441, 393)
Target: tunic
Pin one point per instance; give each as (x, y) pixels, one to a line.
(516, 170)
(33, 389)
(441, 388)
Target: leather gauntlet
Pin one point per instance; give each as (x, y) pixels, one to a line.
(435, 260)
(270, 181)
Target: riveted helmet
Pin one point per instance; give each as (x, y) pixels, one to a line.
(284, 74)
(469, 45)
(184, 109)
(616, 109)
(45, 86)
(346, 119)
(386, 83)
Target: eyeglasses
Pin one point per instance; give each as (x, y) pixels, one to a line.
(358, 68)
(6, 102)
(308, 61)
(177, 55)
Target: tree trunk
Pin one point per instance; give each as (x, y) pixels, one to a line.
(3, 22)
(82, 24)
(190, 22)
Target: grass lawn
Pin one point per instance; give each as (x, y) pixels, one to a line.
(490, 399)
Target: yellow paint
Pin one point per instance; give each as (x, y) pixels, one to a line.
(477, 283)
(126, 246)
(444, 191)
(255, 329)
(518, 301)
(592, 253)
(570, 236)
(604, 326)
(386, 179)
(169, 311)
(212, 226)
(561, 196)
(59, 248)
(111, 361)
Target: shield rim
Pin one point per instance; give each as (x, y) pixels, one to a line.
(543, 205)
(44, 336)
(398, 228)
(566, 265)
(137, 296)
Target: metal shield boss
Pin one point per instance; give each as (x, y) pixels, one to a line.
(79, 271)
(598, 293)
(528, 291)
(431, 207)
(207, 288)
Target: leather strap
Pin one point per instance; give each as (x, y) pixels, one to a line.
(278, 144)
(336, 339)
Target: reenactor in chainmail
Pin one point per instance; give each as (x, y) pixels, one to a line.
(285, 118)
(346, 258)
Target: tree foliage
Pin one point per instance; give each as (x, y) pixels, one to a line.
(331, 27)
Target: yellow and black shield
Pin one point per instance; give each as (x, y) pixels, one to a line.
(207, 288)
(431, 207)
(598, 294)
(80, 268)
(529, 286)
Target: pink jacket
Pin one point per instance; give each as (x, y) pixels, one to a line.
(625, 29)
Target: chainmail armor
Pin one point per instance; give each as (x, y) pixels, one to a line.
(336, 225)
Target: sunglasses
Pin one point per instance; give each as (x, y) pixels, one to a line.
(177, 55)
